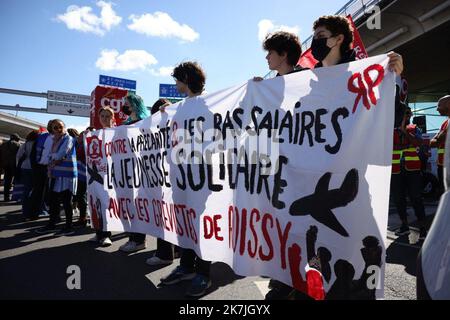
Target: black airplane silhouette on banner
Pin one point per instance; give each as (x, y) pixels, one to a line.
(320, 204)
(94, 175)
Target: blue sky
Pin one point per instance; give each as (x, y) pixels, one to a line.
(65, 45)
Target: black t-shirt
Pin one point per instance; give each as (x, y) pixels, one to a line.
(296, 69)
(347, 57)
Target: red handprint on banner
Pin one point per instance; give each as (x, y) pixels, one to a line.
(366, 92)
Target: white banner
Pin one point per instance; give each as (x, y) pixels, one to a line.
(287, 177)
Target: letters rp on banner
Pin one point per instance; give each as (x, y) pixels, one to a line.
(287, 177)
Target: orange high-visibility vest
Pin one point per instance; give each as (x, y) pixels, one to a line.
(441, 146)
(404, 149)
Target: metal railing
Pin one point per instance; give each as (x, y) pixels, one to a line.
(355, 8)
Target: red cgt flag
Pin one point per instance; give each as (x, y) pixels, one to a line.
(307, 60)
(358, 45)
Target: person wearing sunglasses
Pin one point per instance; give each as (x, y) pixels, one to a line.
(62, 173)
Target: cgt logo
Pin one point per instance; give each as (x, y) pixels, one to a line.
(94, 147)
(115, 104)
(365, 83)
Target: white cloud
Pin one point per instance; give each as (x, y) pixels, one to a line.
(160, 24)
(82, 19)
(266, 26)
(127, 61)
(162, 72)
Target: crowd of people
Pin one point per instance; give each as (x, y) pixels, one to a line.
(52, 169)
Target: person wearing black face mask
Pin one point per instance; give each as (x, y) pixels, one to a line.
(331, 45)
(320, 48)
(127, 110)
(136, 110)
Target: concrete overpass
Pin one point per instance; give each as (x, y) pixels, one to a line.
(420, 32)
(417, 29)
(10, 124)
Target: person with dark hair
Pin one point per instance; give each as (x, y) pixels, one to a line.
(73, 132)
(24, 173)
(62, 171)
(8, 162)
(159, 105)
(438, 140)
(338, 27)
(39, 160)
(406, 175)
(190, 76)
(136, 110)
(165, 251)
(332, 43)
(283, 52)
(190, 79)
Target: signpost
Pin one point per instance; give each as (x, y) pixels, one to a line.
(170, 91)
(69, 104)
(117, 82)
(68, 108)
(68, 97)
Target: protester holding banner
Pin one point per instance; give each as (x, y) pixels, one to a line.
(160, 105)
(136, 111)
(134, 108)
(190, 79)
(406, 174)
(438, 140)
(165, 251)
(62, 171)
(283, 52)
(332, 45)
(332, 41)
(106, 116)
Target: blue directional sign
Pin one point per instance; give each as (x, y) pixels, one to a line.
(117, 82)
(170, 91)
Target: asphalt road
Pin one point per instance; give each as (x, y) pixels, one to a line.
(34, 266)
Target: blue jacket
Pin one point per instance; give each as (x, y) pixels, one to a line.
(67, 153)
(40, 141)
